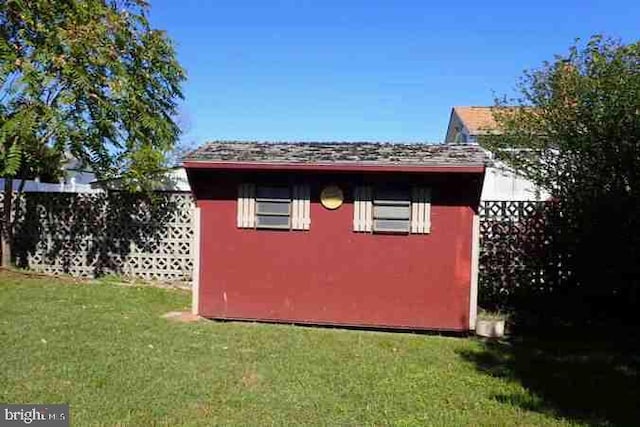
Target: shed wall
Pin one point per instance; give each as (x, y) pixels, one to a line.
(330, 274)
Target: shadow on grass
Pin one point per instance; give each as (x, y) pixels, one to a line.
(567, 271)
(582, 380)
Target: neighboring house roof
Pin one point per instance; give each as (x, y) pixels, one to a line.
(470, 121)
(477, 120)
(338, 153)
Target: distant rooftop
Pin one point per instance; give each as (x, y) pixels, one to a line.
(478, 120)
(347, 153)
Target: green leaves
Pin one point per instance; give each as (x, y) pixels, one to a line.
(580, 119)
(12, 160)
(89, 78)
(14, 130)
(576, 132)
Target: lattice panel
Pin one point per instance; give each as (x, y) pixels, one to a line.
(513, 239)
(492, 210)
(89, 235)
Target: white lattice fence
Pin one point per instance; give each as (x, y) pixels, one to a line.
(88, 235)
(513, 240)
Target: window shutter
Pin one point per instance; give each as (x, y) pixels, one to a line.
(295, 208)
(301, 208)
(362, 209)
(420, 210)
(246, 208)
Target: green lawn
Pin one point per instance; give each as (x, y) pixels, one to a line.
(106, 350)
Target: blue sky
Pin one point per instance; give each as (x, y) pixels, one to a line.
(352, 70)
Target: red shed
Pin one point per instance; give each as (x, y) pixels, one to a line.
(359, 234)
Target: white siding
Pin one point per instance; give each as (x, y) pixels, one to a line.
(501, 183)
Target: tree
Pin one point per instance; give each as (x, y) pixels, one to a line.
(89, 78)
(576, 132)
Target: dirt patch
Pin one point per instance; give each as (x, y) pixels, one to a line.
(182, 316)
(204, 409)
(251, 379)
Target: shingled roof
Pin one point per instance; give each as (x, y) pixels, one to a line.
(348, 153)
(478, 120)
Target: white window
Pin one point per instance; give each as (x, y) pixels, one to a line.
(273, 207)
(392, 210)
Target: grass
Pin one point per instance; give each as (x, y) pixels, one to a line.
(106, 350)
(583, 379)
(492, 315)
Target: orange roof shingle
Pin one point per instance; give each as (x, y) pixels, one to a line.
(478, 120)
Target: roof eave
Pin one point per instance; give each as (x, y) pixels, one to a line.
(335, 167)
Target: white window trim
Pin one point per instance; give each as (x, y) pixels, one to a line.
(363, 209)
(300, 207)
(246, 206)
(475, 261)
(420, 210)
(195, 287)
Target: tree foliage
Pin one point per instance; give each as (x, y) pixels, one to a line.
(575, 130)
(86, 78)
(581, 119)
(90, 78)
